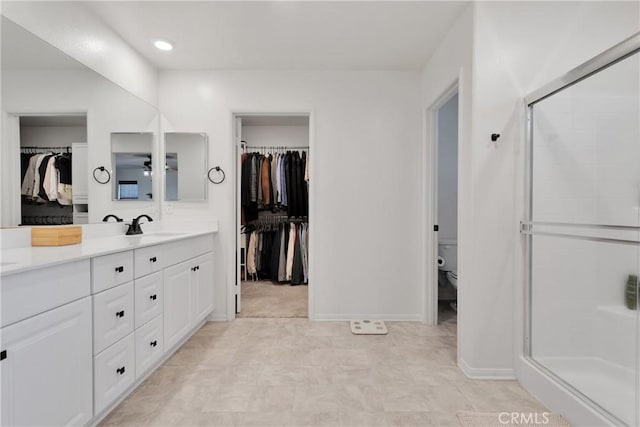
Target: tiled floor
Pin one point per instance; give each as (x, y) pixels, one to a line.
(293, 372)
(268, 299)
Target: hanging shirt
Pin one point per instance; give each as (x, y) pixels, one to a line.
(29, 177)
(290, 251)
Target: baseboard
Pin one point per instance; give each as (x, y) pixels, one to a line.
(384, 317)
(486, 373)
(217, 318)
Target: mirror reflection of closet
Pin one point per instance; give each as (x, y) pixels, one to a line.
(185, 166)
(133, 166)
(53, 158)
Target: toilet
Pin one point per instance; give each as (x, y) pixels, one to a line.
(448, 260)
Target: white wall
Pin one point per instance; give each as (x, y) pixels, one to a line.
(518, 47)
(365, 178)
(452, 62)
(448, 170)
(287, 136)
(68, 26)
(52, 136)
(109, 109)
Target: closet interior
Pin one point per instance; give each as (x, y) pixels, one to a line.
(53, 168)
(274, 208)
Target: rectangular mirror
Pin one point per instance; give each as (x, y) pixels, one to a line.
(51, 103)
(185, 166)
(133, 166)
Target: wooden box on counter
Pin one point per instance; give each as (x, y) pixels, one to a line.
(56, 235)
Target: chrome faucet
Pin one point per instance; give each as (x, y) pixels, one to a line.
(134, 227)
(106, 218)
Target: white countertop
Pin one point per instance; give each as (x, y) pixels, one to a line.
(22, 259)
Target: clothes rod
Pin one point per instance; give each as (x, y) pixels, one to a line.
(34, 147)
(276, 147)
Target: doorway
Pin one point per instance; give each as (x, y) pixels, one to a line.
(447, 210)
(441, 210)
(272, 204)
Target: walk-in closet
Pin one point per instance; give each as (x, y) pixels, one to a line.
(273, 203)
(53, 169)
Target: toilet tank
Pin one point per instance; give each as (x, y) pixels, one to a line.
(448, 249)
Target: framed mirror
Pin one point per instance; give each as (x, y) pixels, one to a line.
(185, 166)
(133, 166)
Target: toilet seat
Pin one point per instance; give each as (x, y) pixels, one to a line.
(452, 277)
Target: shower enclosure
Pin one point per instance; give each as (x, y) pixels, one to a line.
(583, 232)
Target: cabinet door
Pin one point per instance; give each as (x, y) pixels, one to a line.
(177, 303)
(149, 345)
(114, 372)
(46, 377)
(203, 287)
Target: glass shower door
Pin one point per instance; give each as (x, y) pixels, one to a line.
(584, 227)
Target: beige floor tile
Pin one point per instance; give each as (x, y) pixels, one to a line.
(327, 329)
(359, 398)
(314, 419)
(351, 418)
(497, 396)
(295, 375)
(351, 357)
(199, 419)
(188, 398)
(293, 372)
(273, 399)
(391, 374)
(322, 398)
(119, 419)
(422, 419)
(229, 399)
(398, 398)
(352, 375)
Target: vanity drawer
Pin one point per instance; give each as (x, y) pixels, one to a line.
(148, 260)
(148, 299)
(33, 292)
(114, 372)
(111, 270)
(112, 316)
(149, 345)
(182, 250)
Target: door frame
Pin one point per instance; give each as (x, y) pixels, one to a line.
(430, 199)
(233, 287)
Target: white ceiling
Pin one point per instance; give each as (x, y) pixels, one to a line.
(276, 35)
(22, 50)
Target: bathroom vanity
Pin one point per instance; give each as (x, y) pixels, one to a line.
(83, 325)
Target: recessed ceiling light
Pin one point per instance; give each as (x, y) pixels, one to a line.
(163, 45)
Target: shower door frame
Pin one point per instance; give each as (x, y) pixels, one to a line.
(615, 54)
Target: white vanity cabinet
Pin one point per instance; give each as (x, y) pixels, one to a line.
(45, 346)
(77, 336)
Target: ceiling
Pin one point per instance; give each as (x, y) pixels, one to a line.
(277, 35)
(22, 50)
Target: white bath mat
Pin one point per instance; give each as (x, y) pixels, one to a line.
(368, 327)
